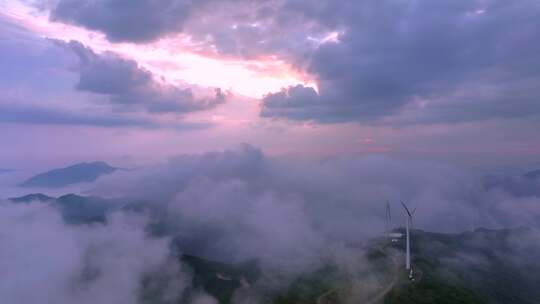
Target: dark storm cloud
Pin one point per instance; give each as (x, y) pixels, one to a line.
(131, 86)
(448, 60)
(515, 101)
(35, 115)
(249, 29)
(235, 27)
(126, 20)
(36, 86)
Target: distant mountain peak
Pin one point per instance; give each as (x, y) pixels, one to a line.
(34, 197)
(533, 174)
(77, 173)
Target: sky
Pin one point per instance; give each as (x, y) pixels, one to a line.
(134, 82)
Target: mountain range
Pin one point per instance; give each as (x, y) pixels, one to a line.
(78, 173)
(533, 174)
(474, 267)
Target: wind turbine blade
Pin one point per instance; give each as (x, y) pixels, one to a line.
(415, 208)
(406, 209)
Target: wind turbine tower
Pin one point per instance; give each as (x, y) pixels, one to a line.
(388, 220)
(408, 236)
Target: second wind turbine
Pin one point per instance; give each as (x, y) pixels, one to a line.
(408, 236)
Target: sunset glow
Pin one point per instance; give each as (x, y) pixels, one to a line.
(171, 57)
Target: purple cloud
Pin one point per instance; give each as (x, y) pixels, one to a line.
(132, 87)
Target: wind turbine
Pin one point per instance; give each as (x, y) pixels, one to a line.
(408, 249)
(388, 219)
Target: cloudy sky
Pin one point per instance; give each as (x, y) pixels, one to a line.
(138, 81)
(266, 129)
